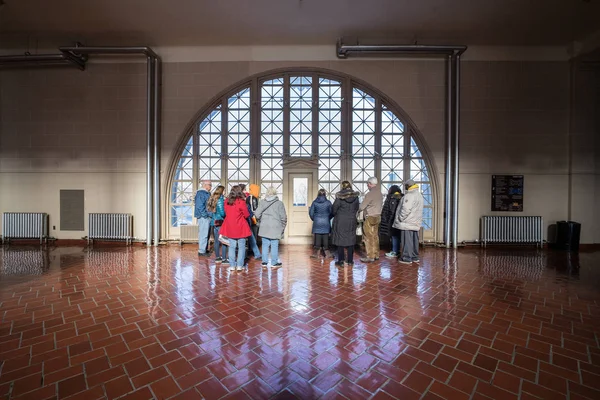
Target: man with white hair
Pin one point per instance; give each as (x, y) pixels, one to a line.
(371, 207)
(203, 215)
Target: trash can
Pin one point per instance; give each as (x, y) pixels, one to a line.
(567, 235)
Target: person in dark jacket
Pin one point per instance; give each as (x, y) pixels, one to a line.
(320, 213)
(344, 211)
(388, 213)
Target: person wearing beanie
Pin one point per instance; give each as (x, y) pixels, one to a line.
(409, 218)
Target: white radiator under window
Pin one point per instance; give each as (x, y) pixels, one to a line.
(188, 233)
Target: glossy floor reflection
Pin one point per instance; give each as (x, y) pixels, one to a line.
(162, 323)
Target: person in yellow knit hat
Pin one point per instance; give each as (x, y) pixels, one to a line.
(409, 218)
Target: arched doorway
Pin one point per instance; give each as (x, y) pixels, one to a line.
(332, 126)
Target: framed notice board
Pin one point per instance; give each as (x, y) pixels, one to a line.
(507, 192)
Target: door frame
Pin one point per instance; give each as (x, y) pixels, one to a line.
(300, 166)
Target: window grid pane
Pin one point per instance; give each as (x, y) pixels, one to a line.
(301, 116)
(271, 139)
(330, 138)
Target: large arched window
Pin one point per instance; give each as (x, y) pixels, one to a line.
(245, 136)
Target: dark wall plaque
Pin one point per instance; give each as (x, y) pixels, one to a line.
(507, 192)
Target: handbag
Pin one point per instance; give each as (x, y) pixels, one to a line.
(224, 240)
(360, 215)
(218, 222)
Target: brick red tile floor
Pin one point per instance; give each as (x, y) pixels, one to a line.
(162, 323)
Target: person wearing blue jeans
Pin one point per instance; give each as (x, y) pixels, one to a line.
(235, 227)
(273, 219)
(203, 216)
(273, 244)
(216, 205)
(237, 263)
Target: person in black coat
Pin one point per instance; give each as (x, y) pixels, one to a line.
(345, 207)
(388, 213)
(320, 213)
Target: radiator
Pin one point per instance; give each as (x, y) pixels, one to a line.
(110, 226)
(21, 225)
(512, 230)
(188, 233)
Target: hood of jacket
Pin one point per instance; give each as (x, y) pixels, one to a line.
(271, 198)
(321, 199)
(255, 190)
(347, 195)
(396, 195)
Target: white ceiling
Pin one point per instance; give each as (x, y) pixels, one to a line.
(301, 22)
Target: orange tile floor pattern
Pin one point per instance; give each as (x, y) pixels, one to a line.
(137, 323)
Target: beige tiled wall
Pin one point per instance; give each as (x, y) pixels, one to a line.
(69, 129)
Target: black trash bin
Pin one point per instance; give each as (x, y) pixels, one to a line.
(567, 235)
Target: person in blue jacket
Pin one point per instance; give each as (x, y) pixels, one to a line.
(320, 213)
(203, 216)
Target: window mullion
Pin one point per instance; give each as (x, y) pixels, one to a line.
(224, 143)
(286, 116)
(377, 132)
(195, 157)
(315, 115)
(346, 132)
(406, 155)
(255, 145)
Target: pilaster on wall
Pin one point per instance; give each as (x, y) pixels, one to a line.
(584, 146)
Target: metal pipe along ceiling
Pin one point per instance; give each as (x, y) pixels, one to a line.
(452, 54)
(343, 51)
(42, 60)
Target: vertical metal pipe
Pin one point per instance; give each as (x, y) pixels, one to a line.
(448, 144)
(156, 134)
(455, 159)
(149, 149)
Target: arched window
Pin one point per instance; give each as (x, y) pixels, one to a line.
(353, 132)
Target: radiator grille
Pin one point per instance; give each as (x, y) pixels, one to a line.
(512, 230)
(110, 226)
(20, 225)
(188, 233)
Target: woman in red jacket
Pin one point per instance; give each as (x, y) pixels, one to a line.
(235, 227)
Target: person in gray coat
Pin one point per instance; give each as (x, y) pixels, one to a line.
(345, 207)
(409, 218)
(272, 221)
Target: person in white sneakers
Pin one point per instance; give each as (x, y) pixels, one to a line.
(409, 218)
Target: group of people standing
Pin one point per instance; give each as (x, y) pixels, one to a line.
(400, 218)
(234, 220)
(240, 217)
